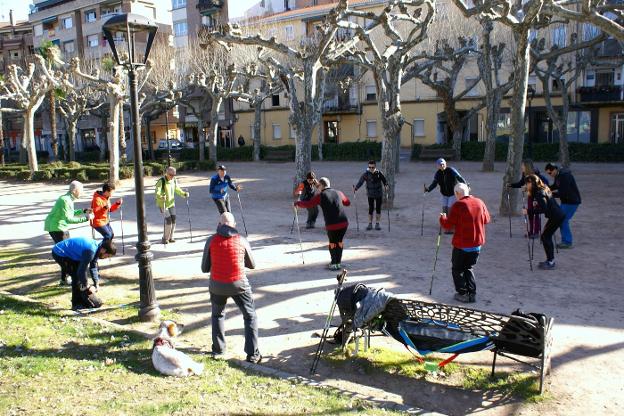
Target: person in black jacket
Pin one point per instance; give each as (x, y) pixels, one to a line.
(374, 180)
(543, 201)
(564, 187)
(306, 191)
(332, 204)
(535, 219)
(447, 177)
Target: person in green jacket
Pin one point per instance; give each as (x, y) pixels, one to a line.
(165, 191)
(63, 215)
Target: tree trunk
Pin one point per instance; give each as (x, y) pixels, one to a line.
(213, 131)
(113, 141)
(491, 122)
(2, 161)
(303, 148)
(516, 141)
(148, 137)
(54, 139)
(29, 139)
(122, 133)
(257, 139)
(201, 138)
(564, 151)
(320, 141)
(102, 143)
(392, 132)
(72, 127)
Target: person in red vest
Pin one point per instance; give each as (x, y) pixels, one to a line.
(226, 254)
(101, 206)
(468, 217)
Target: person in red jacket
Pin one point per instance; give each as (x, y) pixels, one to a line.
(226, 254)
(101, 206)
(332, 204)
(468, 216)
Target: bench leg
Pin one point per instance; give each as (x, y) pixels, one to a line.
(494, 363)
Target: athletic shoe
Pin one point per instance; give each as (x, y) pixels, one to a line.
(172, 240)
(465, 298)
(308, 226)
(377, 226)
(564, 246)
(217, 355)
(163, 241)
(546, 265)
(254, 359)
(369, 227)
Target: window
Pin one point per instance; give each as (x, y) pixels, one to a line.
(68, 22)
(38, 30)
(90, 16)
(69, 47)
(558, 36)
(532, 82)
(604, 78)
(180, 28)
(371, 93)
(419, 127)
(471, 86)
(277, 132)
(503, 127)
(579, 126)
(290, 32)
(532, 35)
(292, 131)
(371, 128)
(590, 31)
(617, 128)
(178, 4)
(275, 100)
(252, 132)
(557, 84)
(93, 41)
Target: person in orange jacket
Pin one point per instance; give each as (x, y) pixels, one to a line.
(101, 206)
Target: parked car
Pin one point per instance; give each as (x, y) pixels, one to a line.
(175, 145)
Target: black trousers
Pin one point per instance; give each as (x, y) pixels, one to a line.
(59, 236)
(462, 263)
(223, 205)
(335, 244)
(312, 215)
(70, 267)
(547, 237)
(374, 204)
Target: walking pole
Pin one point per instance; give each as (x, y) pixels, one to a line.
(242, 213)
(319, 349)
(526, 224)
(357, 218)
(509, 212)
(188, 212)
(299, 235)
(422, 213)
(292, 227)
(123, 248)
(435, 261)
(165, 223)
(388, 206)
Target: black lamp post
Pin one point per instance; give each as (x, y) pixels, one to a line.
(129, 26)
(531, 95)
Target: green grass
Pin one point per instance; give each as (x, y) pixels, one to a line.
(52, 364)
(382, 360)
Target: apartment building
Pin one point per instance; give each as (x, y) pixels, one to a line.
(16, 42)
(189, 16)
(596, 111)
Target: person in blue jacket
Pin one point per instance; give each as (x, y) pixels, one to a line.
(75, 256)
(219, 185)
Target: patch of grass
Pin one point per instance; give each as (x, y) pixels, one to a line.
(376, 360)
(52, 364)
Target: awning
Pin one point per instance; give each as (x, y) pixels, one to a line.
(48, 20)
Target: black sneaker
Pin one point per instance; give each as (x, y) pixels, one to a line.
(369, 227)
(546, 265)
(172, 240)
(465, 298)
(217, 355)
(564, 246)
(255, 359)
(377, 226)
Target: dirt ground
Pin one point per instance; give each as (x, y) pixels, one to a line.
(584, 293)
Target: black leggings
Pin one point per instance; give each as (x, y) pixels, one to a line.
(371, 205)
(59, 236)
(223, 205)
(335, 244)
(547, 237)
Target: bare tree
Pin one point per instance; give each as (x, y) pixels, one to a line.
(384, 48)
(2, 111)
(607, 15)
(561, 66)
(300, 67)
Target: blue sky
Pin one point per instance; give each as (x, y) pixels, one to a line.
(20, 7)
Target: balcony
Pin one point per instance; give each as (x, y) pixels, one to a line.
(341, 104)
(604, 93)
(207, 7)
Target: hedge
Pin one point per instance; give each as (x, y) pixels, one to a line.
(544, 152)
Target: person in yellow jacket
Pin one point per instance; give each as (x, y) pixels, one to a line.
(63, 215)
(166, 189)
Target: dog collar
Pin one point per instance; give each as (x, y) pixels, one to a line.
(160, 342)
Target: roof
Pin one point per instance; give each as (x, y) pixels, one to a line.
(316, 11)
(19, 25)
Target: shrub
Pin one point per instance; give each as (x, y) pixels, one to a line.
(205, 165)
(148, 170)
(82, 176)
(8, 174)
(103, 175)
(359, 151)
(126, 172)
(42, 175)
(74, 165)
(234, 153)
(90, 156)
(23, 175)
(188, 154)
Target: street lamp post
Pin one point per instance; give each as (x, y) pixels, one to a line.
(131, 25)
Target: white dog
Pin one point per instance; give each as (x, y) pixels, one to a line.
(169, 361)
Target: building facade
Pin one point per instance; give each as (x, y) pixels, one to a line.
(596, 110)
